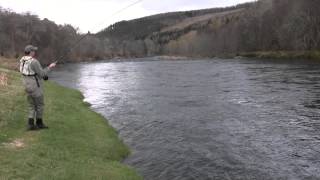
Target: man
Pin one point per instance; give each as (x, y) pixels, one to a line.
(32, 75)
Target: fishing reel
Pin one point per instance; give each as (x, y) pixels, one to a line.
(46, 78)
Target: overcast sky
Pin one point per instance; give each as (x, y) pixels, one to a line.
(94, 15)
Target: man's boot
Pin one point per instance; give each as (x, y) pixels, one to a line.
(40, 124)
(31, 125)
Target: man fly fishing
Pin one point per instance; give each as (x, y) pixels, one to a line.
(32, 76)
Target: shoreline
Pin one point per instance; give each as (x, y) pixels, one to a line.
(79, 144)
(278, 55)
(307, 55)
(11, 63)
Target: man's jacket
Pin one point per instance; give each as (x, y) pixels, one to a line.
(32, 73)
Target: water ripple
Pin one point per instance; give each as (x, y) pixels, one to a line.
(210, 119)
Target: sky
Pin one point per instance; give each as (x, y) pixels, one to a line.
(94, 15)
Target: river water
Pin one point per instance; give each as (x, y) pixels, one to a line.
(209, 119)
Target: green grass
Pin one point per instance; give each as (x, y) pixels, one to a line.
(79, 143)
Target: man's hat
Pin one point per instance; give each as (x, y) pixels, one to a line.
(30, 48)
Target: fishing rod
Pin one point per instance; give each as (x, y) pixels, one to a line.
(72, 47)
(83, 37)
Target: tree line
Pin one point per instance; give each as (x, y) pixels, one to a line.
(18, 30)
(263, 25)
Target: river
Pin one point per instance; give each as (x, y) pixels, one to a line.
(209, 119)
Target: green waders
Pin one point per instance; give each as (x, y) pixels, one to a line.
(33, 74)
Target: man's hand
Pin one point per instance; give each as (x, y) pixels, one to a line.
(52, 65)
(45, 78)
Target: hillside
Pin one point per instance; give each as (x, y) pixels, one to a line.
(142, 27)
(53, 40)
(267, 26)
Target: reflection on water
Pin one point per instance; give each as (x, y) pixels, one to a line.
(209, 119)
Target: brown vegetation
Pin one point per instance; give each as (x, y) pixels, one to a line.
(18, 30)
(287, 26)
(9, 63)
(261, 26)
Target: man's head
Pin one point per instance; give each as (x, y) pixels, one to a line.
(30, 50)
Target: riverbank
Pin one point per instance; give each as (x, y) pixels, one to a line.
(12, 64)
(313, 55)
(78, 145)
(9, 63)
(296, 55)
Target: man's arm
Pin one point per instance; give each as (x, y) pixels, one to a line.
(37, 68)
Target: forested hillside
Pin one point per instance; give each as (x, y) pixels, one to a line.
(264, 25)
(17, 30)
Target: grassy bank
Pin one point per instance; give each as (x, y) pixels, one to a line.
(79, 144)
(314, 55)
(8, 63)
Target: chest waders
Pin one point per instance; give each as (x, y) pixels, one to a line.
(26, 71)
(34, 93)
(35, 77)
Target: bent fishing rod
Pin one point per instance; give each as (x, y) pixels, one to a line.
(84, 36)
